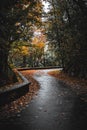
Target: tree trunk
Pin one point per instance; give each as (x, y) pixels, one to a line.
(24, 61)
(3, 61)
(6, 73)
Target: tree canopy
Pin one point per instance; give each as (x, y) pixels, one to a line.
(17, 19)
(67, 30)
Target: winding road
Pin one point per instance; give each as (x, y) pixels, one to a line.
(55, 107)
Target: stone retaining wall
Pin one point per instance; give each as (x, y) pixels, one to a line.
(15, 91)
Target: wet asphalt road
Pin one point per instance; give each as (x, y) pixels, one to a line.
(55, 107)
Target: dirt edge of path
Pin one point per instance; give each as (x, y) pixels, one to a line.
(78, 85)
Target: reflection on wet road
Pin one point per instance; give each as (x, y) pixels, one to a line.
(55, 107)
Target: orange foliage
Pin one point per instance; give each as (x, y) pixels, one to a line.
(24, 50)
(40, 45)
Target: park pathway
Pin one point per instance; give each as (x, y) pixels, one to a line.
(54, 107)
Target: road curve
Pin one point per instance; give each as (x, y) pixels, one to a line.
(55, 107)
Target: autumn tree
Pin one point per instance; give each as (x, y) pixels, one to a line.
(16, 17)
(38, 44)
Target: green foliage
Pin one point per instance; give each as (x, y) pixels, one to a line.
(67, 24)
